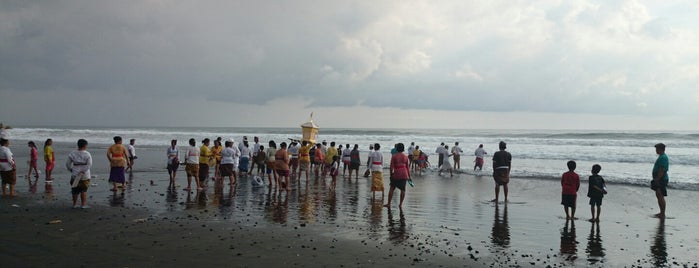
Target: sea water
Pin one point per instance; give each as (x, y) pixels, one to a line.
(626, 157)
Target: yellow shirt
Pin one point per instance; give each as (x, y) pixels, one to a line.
(216, 151)
(204, 154)
(304, 154)
(332, 151)
(48, 154)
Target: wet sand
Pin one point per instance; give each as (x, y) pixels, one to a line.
(446, 221)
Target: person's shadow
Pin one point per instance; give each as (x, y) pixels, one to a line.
(658, 249)
(569, 246)
(595, 251)
(500, 236)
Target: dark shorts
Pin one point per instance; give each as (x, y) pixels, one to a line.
(398, 183)
(227, 169)
(568, 200)
(595, 201)
(294, 162)
(82, 187)
(662, 187)
(9, 177)
(173, 167)
(269, 170)
(457, 157)
(283, 173)
(354, 166)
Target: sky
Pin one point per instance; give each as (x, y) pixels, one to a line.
(567, 64)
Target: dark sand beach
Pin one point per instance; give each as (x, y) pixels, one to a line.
(446, 222)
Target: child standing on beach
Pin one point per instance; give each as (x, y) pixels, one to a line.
(49, 158)
(33, 158)
(596, 191)
(570, 183)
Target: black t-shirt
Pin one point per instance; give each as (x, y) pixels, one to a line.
(595, 180)
(502, 159)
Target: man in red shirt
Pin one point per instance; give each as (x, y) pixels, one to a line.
(570, 183)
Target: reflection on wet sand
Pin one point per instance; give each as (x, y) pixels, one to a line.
(595, 251)
(277, 206)
(171, 199)
(658, 249)
(569, 247)
(396, 228)
(500, 236)
(116, 199)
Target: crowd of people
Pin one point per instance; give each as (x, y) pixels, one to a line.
(296, 159)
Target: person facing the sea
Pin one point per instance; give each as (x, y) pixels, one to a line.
(446, 165)
(132, 154)
(596, 191)
(49, 158)
(376, 160)
(399, 174)
(173, 161)
(456, 152)
(318, 158)
(660, 178)
(245, 155)
(502, 164)
(304, 159)
(229, 163)
(118, 160)
(260, 160)
(415, 162)
(33, 159)
(330, 154)
(570, 183)
(411, 151)
(355, 162)
(438, 151)
(281, 164)
(8, 168)
(346, 160)
(255, 150)
(480, 157)
(79, 163)
(191, 163)
(294, 160)
(205, 157)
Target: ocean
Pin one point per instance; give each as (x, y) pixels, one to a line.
(626, 157)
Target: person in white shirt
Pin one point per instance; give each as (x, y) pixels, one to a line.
(438, 151)
(255, 151)
(173, 162)
(376, 166)
(8, 169)
(192, 165)
(446, 165)
(480, 157)
(294, 160)
(244, 161)
(456, 152)
(79, 163)
(229, 162)
(411, 151)
(132, 154)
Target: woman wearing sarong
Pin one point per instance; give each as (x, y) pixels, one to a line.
(376, 161)
(399, 173)
(117, 163)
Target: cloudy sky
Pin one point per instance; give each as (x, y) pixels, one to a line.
(581, 64)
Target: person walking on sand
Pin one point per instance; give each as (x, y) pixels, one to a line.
(79, 163)
(446, 165)
(191, 163)
(399, 174)
(660, 178)
(502, 164)
(376, 160)
(132, 154)
(8, 168)
(49, 158)
(596, 191)
(33, 159)
(570, 184)
(456, 152)
(173, 161)
(480, 158)
(118, 161)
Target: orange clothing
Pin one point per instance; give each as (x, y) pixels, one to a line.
(117, 155)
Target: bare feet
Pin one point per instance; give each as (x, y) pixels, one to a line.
(659, 215)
